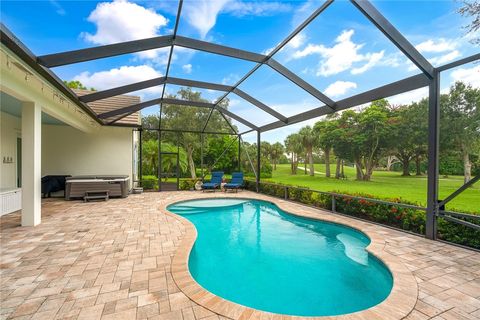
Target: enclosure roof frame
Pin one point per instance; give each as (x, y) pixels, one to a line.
(42, 64)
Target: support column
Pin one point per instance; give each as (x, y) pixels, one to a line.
(258, 161)
(31, 164)
(239, 152)
(140, 157)
(433, 155)
(201, 154)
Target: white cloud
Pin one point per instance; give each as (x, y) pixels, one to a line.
(231, 79)
(120, 76)
(373, 60)
(120, 21)
(467, 75)
(255, 8)
(339, 88)
(409, 97)
(295, 43)
(436, 46)
(234, 102)
(202, 14)
(445, 58)
(443, 50)
(187, 68)
(342, 56)
(58, 8)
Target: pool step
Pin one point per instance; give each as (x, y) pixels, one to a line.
(188, 210)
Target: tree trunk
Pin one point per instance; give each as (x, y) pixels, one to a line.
(291, 165)
(310, 160)
(305, 165)
(467, 167)
(191, 163)
(327, 162)
(390, 162)
(358, 167)
(342, 173)
(417, 165)
(406, 166)
(337, 168)
(294, 163)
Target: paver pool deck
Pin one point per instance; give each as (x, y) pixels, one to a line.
(126, 259)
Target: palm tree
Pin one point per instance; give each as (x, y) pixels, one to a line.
(309, 141)
(169, 162)
(150, 157)
(293, 145)
(323, 130)
(276, 151)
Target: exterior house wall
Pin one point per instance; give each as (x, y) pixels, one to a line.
(105, 151)
(9, 132)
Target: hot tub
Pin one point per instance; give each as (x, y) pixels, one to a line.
(116, 186)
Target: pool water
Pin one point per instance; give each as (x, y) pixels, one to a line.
(252, 253)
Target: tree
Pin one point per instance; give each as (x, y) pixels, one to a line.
(293, 145)
(309, 140)
(276, 152)
(471, 8)
(193, 118)
(418, 113)
(150, 157)
(75, 84)
(169, 163)
(462, 122)
(373, 135)
(217, 146)
(409, 135)
(363, 137)
(343, 135)
(323, 130)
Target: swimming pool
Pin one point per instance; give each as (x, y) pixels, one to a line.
(252, 253)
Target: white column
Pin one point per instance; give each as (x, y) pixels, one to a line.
(31, 163)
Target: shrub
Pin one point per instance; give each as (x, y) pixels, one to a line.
(409, 219)
(150, 182)
(187, 184)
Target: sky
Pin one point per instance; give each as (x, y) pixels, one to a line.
(340, 53)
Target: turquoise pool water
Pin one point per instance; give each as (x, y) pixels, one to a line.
(252, 253)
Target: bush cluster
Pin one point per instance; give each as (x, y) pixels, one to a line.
(409, 219)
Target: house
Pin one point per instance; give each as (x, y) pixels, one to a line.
(45, 130)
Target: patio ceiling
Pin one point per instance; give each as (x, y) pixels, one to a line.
(326, 105)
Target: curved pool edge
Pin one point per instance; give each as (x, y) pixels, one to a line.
(399, 303)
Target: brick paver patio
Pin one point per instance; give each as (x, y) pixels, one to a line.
(112, 260)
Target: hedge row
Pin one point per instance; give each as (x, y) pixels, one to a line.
(409, 219)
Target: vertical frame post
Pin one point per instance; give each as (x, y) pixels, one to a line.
(433, 155)
(239, 152)
(140, 160)
(178, 162)
(202, 138)
(258, 161)
(159, 136)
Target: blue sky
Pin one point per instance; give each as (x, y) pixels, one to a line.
(341, 53)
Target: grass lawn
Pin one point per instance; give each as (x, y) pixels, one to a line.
(383, 185)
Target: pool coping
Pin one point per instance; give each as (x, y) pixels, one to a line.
(399, 303)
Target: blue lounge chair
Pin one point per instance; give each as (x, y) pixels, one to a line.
(236, 183)
(215, 182)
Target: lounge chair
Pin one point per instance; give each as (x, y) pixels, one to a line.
(236, 183)
(215, 182)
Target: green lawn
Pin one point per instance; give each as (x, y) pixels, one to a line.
(383, 185)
